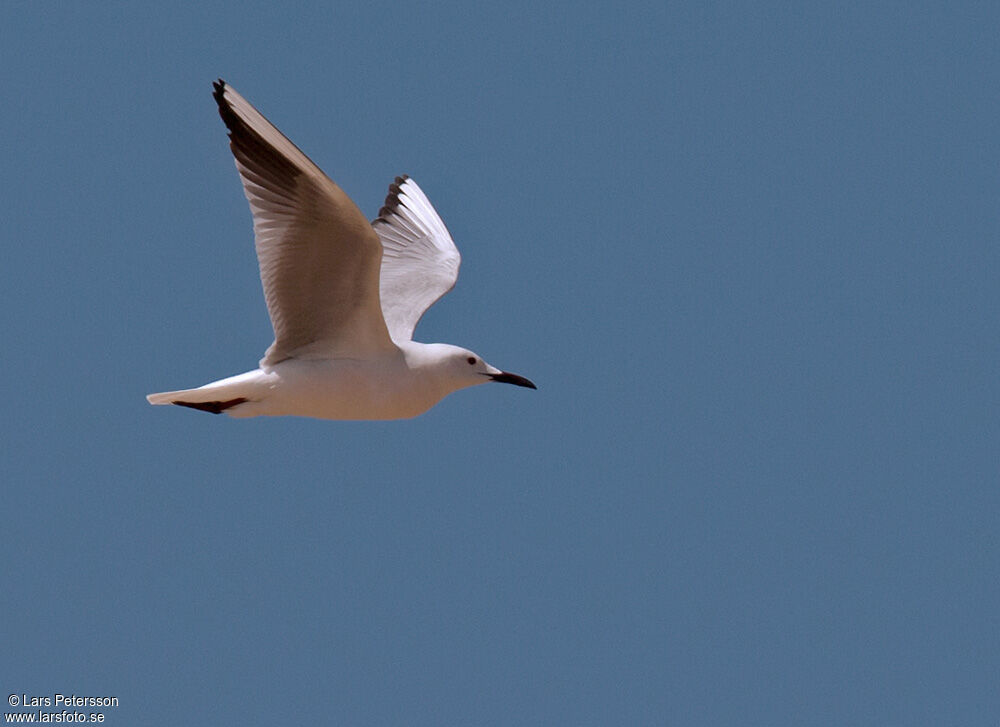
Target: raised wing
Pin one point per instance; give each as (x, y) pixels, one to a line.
(419, 259)
(319, 257)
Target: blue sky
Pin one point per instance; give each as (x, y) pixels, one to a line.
(747, 251)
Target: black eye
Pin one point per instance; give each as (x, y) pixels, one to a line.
(471, 361)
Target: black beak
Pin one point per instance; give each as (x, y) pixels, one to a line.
(504, 378)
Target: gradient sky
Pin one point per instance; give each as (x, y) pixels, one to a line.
(747, 251)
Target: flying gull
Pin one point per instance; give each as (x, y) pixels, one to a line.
(344, 295)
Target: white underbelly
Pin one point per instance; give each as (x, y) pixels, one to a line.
(341, 389)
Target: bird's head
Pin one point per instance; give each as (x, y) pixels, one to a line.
(468, 368)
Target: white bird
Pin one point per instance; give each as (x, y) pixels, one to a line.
(344, 295)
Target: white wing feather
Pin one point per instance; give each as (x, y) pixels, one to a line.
(419, 259)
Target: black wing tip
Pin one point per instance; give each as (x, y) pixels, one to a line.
(246, 143)
(392, 199)
(229, 117)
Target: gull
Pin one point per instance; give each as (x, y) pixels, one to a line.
(344, 295)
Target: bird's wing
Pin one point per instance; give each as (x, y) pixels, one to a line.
(419, 259)
(319, 257)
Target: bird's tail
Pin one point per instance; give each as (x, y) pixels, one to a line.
(218, 396)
